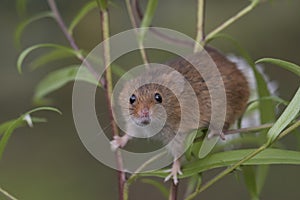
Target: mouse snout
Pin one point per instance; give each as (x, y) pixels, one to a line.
(143, 116)
(144, 112)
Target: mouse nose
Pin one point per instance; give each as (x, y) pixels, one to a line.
(144, 112)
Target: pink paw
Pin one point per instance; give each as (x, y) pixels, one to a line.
(119, 142)
(216, 133)
(175, 170)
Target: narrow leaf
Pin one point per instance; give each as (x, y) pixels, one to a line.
(3, 142)
(148, 16)
(81, 14)
(228, 158)
(284, 64)
(25, 23)
(158, 186)
(261, 175)
(250, 180)
(50, 56)
(44, 108)
(189, 144)
(21, 7)
(207, 146)
(273, 98)
(117, 70)
(102, 4)
(10, 126)
(32, 48)
(4, 126)
(61, 77)
(193, 183)
(286, 117)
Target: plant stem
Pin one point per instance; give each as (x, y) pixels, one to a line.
(249, 129)
(288, 130)
(70, 38)
(139, 16)
(246, 158)
(200, 25)
(243, 12)
(173, 191)
(135, 25)
(241, 130)
(109, 89)
(135, 174)
(7, 194)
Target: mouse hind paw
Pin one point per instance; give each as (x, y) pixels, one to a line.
(174, 172)
(213, 133)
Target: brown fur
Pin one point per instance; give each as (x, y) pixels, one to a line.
(235, 83)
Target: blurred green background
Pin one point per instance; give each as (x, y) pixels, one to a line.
(49, 161)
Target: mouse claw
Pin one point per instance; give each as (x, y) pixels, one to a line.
(119, 142)
(174, 171)
(216, 133)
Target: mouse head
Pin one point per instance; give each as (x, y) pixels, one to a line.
(154, 100)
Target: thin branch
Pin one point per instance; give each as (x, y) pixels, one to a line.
(249, 129)
(70, 38)
(243, 12)
(138, 12)
(109, 89)
(173, 191)
(7, 194)
(200, 25)
(135, 174)
(241, 130)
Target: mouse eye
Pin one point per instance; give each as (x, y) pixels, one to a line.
(132, 99)
(158, 97)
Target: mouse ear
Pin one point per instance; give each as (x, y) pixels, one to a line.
(175, 82)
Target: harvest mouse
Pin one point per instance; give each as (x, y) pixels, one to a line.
(168, 95)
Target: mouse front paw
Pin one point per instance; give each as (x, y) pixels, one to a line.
(119, 142)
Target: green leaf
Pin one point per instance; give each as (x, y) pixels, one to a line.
(50, 56)
(102, 4)
(25, 23)
(285, 118)
(8, 127)
(21, 7)
(32, 48)
(225, 159)
(261, 175)
(15, 124)
(189, 144)
(117, 70)
(157, 185)
(193, 183)
(43, 108)
(250, 180)
(4, 126)
(207, 146)
(148, 16)
(57, 79)
(272, 98)
(267, 111)
(81, 14)
(284, 64)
